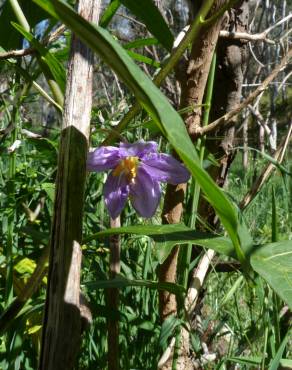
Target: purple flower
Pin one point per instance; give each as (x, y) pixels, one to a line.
(136, 171)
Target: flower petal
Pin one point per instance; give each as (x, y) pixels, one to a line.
(145, 194)
(116, 191)
(103, 158)
(164, 167)
(139, 149)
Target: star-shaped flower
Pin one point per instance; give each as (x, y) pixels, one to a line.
(136, 172)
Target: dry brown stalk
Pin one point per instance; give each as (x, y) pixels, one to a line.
(63, 312)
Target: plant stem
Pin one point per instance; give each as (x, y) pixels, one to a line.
(276, 301)
(176, 54)
(11, 215)
(19, 14)
(113, 300)
(195, 201)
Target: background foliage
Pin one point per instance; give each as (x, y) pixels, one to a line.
(241, 321)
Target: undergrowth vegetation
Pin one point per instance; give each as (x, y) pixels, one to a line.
(242, 317)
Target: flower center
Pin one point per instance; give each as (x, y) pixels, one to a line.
(128, 166)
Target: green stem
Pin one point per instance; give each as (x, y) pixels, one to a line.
(169, 65)
(113, 300)
(266, 333)
(12, 210)
(19, 14)
(11, 239)
(187, 252)
(276, 301)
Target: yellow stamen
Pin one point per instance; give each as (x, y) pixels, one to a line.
(128, 166)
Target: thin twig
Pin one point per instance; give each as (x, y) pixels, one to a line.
(27, 51)
(261, 180)
(246, 36)
(224, 120)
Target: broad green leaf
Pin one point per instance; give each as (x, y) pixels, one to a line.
(122, 282)
(167, 236)
(49, 64)
(273, 262)
(285, 362)
(109, 13)
(148, 13)
(158, 107)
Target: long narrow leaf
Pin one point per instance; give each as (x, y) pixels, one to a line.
(122, 282)
(55, 67)
(157, 105)
(167, 236)
(109, 13)
(274, 365)
(148, 13)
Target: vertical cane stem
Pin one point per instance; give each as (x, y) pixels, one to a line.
(113, 299)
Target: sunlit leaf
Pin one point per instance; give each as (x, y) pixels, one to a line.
(109, 13)
(149, 14)
(122, 282)
(49, 64)
(273, 262)
(25, 266)
(157, 105)
(167, 236)
(143, 59)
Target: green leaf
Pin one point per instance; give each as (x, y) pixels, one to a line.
(167, 236)
(257, 361)
(9, 37)
(245, 360)
(37, 236)
(49, 64)
(31, 79)
(109, 13)
(275, 233)
(143, 59)
(158, 107)
(122, 282)
(140, 43)
(274, 365)
(278, 165)
(25, 266)
(273, 262)
(49, 188)
(167, 329)
(148, 13)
